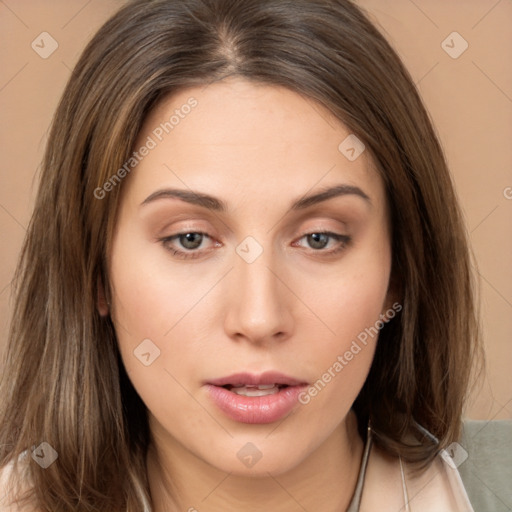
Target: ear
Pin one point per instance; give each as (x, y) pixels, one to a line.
(101, 303)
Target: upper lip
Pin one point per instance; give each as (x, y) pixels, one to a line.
(253, 379)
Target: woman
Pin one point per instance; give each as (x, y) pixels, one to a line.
(246, 282)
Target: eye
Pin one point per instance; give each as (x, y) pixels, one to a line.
(188, 245)
(195, 244)
(325, 242)
(191, 240)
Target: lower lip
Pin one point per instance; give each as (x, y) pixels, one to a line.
(255, 409)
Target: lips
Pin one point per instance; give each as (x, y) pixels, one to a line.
(244, 379)
(251, 398)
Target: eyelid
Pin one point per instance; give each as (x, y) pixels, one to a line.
(185, 224)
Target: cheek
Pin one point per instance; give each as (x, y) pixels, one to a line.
(343, 355)
(349, 305)
(162, 309)
(151, 293)
(350, 300)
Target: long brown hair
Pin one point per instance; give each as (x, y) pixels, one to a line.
(64, 382)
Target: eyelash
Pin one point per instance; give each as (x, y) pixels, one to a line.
(343, 240)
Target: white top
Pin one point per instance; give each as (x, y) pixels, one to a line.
(390, 486)
(386, 483)
(387, 486)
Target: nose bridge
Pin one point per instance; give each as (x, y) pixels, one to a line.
(260, 307)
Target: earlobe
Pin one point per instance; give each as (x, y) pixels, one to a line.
(101, 302)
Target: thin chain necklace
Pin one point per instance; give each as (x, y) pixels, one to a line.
(355, 504)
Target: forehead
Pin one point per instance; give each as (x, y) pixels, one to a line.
(251, 140)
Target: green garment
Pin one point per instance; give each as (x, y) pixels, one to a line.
(487, 471)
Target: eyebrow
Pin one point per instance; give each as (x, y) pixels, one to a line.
(215, 204)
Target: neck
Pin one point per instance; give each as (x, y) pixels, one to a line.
(325, 480)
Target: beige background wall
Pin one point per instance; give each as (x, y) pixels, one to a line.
(469, 97)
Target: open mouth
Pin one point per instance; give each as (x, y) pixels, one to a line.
(255, 390)
(255, 403)
(255, 398)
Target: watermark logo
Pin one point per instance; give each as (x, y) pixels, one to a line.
(249, 455)
(45, 455)
(352, 147)
(454, 45)
(454, 455)
(44, 45)
(249, 250)
(147, 352)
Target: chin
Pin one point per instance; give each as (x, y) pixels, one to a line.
(257, 457)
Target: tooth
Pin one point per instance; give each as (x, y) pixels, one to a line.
(253, 391)
(255, 386)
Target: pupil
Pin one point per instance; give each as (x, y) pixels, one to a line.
(318, 240)
(191, 240)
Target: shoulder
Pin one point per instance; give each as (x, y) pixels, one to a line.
(10, 487)
(487, 468)
(391, 485)
(6, 491)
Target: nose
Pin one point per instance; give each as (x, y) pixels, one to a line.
(259, 309)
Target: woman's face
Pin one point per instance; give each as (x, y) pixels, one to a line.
(251, 252)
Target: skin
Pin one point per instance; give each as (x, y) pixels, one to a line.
(295, 309)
